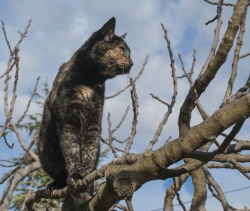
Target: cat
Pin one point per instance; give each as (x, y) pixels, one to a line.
(69, 135)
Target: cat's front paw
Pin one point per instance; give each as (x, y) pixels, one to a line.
(55, 185)
(73, 179)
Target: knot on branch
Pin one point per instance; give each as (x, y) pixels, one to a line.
(123, 187)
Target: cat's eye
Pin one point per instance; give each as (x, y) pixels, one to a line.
(121, 50)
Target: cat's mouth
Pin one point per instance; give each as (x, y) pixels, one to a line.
(125, 69)
(118, 69)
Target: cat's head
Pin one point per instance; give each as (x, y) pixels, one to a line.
(110, 52)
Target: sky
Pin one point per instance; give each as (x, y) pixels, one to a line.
(59, 28)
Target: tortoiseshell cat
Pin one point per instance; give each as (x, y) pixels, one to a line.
(68, 145)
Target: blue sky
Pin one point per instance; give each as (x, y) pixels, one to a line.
(59, 28)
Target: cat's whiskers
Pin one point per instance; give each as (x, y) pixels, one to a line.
(107, 69)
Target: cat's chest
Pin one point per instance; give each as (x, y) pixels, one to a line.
(91, 96)
(85, 93)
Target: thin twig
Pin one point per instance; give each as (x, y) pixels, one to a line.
(221, 197)
(5, 36)
(188, 75)
(134, 122)
(8, 166)
(129, 203)
(6, 142)
(6, 176)
(121, 142)
(215, 3)
(122, 120)
(212, 20)
(178, 196)
(171, 105)
(157, 98)
(106, 142)
(210, 187)
(183, 76)
(244, 55)
(110, 137)
(216, 38)
(239, 167)
(169, 138)
(30, 189)
(235, 61)
(192, 68)
(235, 139)
(240, 93)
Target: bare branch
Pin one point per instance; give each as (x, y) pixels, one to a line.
(8, 161)
(121, 142)
(231, 136)
(22, 142)
(214, 65)
(121, 207)
(129, 203)
(106, 142)
(134, 123)
(211, 21)
(171, 191)
(244, 55)
(110, 137)
(192, 68)
(216, 38)
(6, 176)
(240, 168)
(5, 36)
(157, 98)
(12, 183)
(6, 142)
(30, 189)
(221, 196)
(225, 135)
(200, 191)
(235, 61)
(122, 120)
(182, 66)
(171, 105)
(169, 138)
(245, 169)
(215, 3)
(178, 195)
(240, 93)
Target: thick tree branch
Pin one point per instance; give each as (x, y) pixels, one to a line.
(212, 68)
(235, 61)
(123, 180)
(171, 191)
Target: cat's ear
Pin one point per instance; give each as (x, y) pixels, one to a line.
(123, 36)
(108, 30)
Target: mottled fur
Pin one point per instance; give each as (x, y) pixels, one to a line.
(68, 145)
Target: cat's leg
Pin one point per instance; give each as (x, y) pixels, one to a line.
(90, 149)
(69, 140)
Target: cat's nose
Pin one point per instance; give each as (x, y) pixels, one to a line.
(130, 62)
